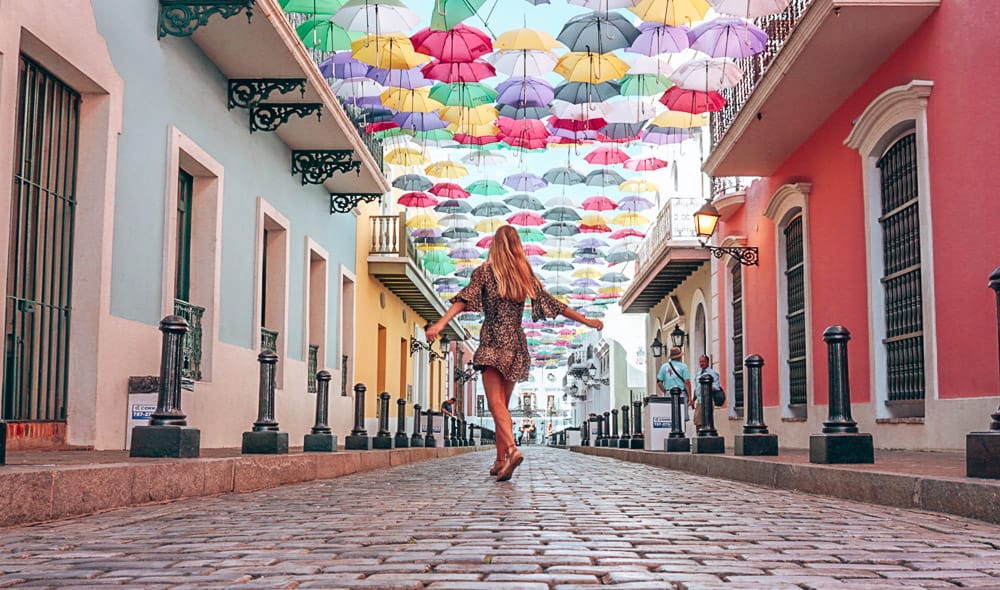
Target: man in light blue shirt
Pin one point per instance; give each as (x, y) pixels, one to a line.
(674, 373)
(705, 365)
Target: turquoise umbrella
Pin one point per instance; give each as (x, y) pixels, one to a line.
(448, 13)
(488, 188)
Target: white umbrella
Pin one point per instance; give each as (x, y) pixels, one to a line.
(749, 8)
(604, 5)
(578, 112)
(484, 158)
(559, 202)
(376, 16)
(523, 62)
(633, 109)
(356, 88)
(706, 75)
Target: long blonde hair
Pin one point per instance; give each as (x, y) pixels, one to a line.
(515, 279)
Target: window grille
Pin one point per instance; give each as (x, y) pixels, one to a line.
(736, 282)
(796, 311)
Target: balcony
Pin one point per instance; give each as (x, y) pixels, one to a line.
(819, 53)
(394, 260)
(668, 254)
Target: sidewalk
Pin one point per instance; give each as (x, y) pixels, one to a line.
(923, 480)
(37, 486)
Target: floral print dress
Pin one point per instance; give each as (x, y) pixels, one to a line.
(502, 344)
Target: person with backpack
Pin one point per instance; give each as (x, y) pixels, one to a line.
(674, 373)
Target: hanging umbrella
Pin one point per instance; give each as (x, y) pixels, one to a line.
(417, 199)
(728, 37)
(448, 190)
(311, 6)
(530, 234)
(437, 263)
(577, 125)
(614, 277)
(406, 157)
(342, 65)
(521, 91)
(446, 169)
(526, 218)
(523, 201)
(486, 187)
(460, 233)
(707, 75)
(585, 284)
(561, 228)
(480, 115)
(591, 242)
(412, 182)
(621, 254)
(466, 94)
(467, 253)
(533, 250)
(410, 79)
(453, 206)
(323, 35)
(657, 39)
(563, 176)
(644, 84)
(680, 120)
(632, 109)
(665, 135)
(604, 155)
(446, 71)
(356, 88)
(448, 13)
(671, 12)
(619, 132)
(603, 177)
(460, 43)
(644, 164)
(422, 221)
(638, 185)
(428, 232)
(375, 16)
(416, 100)
(456, 219)
(630, 219)
(524, 133)
(522, 113)
(599, 203)
(392, 51)
(624, 233)
(597, 31)
(557, 266)
(692, 101)
(525, 181)
(490, 209)
(419, 121)
(561, 214)
(490, 225)
(749, 8)
(579, 112)
(584, 92)
(587, 273)
(635, 203)
(590, 67)
(526, 39)
(523, 62)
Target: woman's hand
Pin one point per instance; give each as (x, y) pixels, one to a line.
(434, 331)
(595, 323)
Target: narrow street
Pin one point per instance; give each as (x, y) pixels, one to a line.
(565, 521)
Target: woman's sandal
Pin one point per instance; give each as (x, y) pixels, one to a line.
(514, 459)
(497, 466)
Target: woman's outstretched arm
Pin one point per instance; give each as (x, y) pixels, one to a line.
(435, 330)
(576, 316)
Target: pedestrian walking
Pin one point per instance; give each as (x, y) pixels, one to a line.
(674, 373)
(499, 288)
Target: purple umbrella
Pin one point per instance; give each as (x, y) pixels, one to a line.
(587, 260)
(525, 182)
(655, 39)
(362, 101)
(408, 79)
(635, 203)
(591, 243)
(574, 135)
(343, 65)
(536, 260)
(418, 121)
(665, 135)
(584, 283)
(464, 253)
(728, 37)
(426, 233)
(524, 92)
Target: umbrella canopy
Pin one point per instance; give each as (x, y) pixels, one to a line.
(561, 228)
(590, 67)
(393, 51)
(561, 214)
(459, 43)
(523, 62)
(448, 190)
(466, 94)
(417, 100)
(638, 185)
(446, 169)
(448, 13)
(417, 199)
(412, 182)
(453, 206)
(606, 155)
(563, 176)
(487, 188)
(598, 31)
(375, 16)
(603, 177)
(490, 209)
(599, 203)
(447, 71)
(526, 39)
(728, 37)
(656, 39)
(671, 12)
(644, 84)
(525, 181)
(707, 75)
(645, 164)
(522, 91)
(692, 101)
(406, 157)
(410, 79)
(526, 218)
(749, 8)
(523, 201)
(321, 34)
(585, 92)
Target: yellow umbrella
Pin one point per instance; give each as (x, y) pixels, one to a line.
(473, 262)
(587, 273)
(679, 120)
(490, 225)
(562, 299)
(446, 169)
(583, 66)
(559, 253)
(406, 157)
(611, 290)
(593, 219)
(671, 12)
(480, 115)
(417, 100)
(630, 219)
(489, 129)
(428, 247)
(526, 39)
(638, 185)
(393, 51)
(422, 221)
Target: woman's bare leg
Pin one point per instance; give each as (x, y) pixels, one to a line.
(498, 392)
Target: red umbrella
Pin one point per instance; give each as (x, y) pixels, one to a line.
(417, 199)
(576, 125)
(606, 155)
(628, 232)
(692, 101)
(472, 71)
(599, 203)
(376, 127)
(529, 218)
(485, 242)
(643, 164)
(460, 44)
(533, 250)
(594, 229)
(526, 128)
(466, 139)
(566, 141)
(523, 142)
(449, 190)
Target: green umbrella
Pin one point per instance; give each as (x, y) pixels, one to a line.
(488, 188)
(531, 234)
(466, 94)
(311, 6)
(437, 262)
(320, 33)
(432, 135)
(448, 13)
(394, 132)
(644, 84)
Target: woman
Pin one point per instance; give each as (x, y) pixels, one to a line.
(499, 288)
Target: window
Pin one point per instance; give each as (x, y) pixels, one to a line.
(315, 328)
(736, 298)
(272, 273)
(795, 316)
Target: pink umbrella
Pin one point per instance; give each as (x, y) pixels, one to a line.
(484, 242)
(417, 199)
(460, 44)
(526, 218)
(643, 164)
(472, 71)
(692, 101)
(628, 232)
(449, 190)
(533, 250)
(606, 155)
(599, 203)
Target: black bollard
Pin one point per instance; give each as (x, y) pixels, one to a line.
(3, 442)
(982, 449)
(444, 430)
(266, 438)
(602, 437)
(755, 440)
(638, 441)
(321, 439)
(840, 441)
(167, 434)
(402, 441)
(708, 440)
(383, 438)
(454, 431)
(417, 439)
(429, 440)
(470, 439)
(613, 442)
(625, 438)
(676, 441)
(584, 433)
(607, 429)
(359, 440)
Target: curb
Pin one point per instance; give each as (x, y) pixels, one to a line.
(55, 492)
(969, 498)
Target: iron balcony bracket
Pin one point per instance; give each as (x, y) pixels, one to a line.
(181, 18)
(268, 116)
(249, 92)
(745, 255)
(317, 166)
(346, 202)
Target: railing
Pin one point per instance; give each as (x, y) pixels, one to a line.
(268, 339)
(313, 365)
(389, 237)
(778, 27)
(343, 375)
(727, 185)
(191, 347)
(674, 222)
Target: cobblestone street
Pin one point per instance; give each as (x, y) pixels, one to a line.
(565, 521)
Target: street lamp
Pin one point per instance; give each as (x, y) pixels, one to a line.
(462, 377)
(445, 342)
(677, 337)
(592, 372)
(656, 346)
(705, 221)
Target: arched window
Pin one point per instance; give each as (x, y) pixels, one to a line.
(795, 316)
(699, 338)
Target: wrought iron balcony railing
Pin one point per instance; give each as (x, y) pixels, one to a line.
(191, 359)
(778, 27)
(727, 185)
(268, 339)
(312, 364)
(674, 222)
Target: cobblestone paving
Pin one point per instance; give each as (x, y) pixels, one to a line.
(566, 521)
